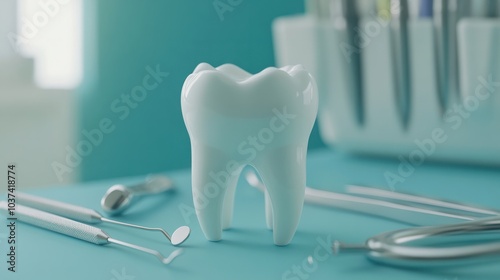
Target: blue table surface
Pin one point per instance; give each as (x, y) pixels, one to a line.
(247, 250)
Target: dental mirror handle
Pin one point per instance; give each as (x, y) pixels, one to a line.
(67, 210)
(153, 184)
(57, 223)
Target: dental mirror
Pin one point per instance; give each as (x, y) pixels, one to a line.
(119, 197)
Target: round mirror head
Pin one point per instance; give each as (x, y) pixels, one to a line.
(116, 199)
(180, 235)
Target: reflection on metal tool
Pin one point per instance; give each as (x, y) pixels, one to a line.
(90, 216)
(77, 230)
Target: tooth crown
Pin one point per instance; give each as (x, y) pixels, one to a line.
(263, 120)
(227, 100)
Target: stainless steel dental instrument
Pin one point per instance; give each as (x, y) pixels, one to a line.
(401, 58)
(395, 211)
(390, 248)
(447, 13)
(76, 229)
(405, 247)
(90, 216)
(361, 190)
(346, 14)
(441, 50)
(119, 197)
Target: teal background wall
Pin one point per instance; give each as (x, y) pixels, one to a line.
(123, 37)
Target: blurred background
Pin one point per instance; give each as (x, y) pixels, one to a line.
(90, 90)
(67, 67)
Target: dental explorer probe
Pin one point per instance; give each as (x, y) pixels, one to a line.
(90, 216)
(76, 229)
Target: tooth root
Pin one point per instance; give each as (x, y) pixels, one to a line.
(283, 172)
(269, 210)
(227, 210)
(211, 182)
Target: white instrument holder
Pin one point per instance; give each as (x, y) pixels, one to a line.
(471, 137)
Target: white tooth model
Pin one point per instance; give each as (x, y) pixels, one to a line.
(263, 120)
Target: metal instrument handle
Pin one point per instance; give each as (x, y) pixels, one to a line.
(57, 223)
(67, 210)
